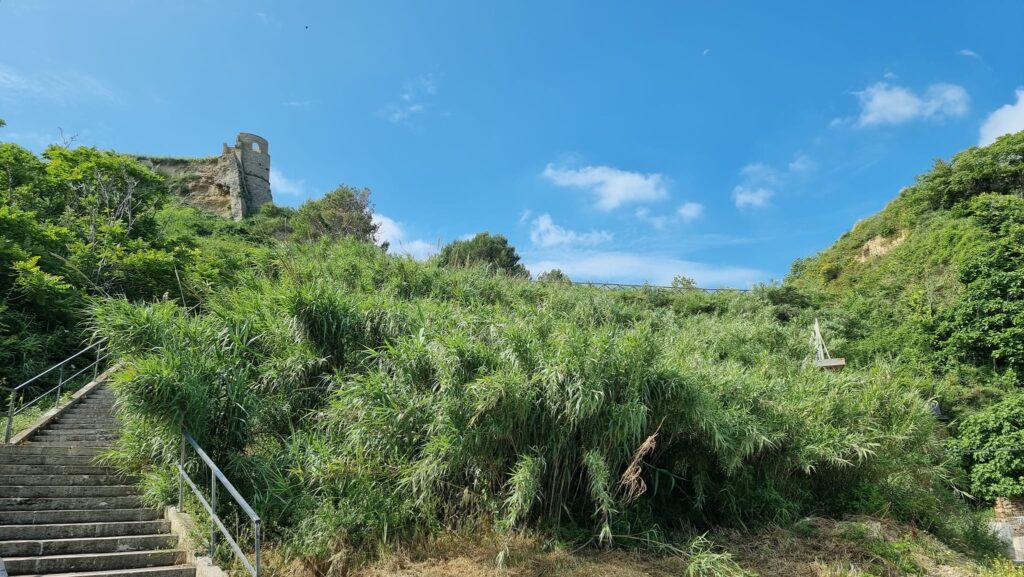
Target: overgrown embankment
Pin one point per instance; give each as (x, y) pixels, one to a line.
(361, 399)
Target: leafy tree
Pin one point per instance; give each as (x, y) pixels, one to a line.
(492, 251)
(345, 212)
(554, 275)
(683, 282)
(998, 167)
(991, 442)
(986, 323)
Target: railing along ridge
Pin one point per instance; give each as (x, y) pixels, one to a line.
(14, 409)
(211, 506)
(617, 285)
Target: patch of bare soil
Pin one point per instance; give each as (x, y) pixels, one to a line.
(879, 245)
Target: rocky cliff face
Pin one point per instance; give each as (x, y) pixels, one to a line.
(234, 185)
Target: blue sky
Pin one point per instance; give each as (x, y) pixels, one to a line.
(620, 141)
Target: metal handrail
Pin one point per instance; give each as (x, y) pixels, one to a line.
(211, 505)
(14, 409)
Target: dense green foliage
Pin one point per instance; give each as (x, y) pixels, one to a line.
(992, 441)
(359, 398)
(345, 212)
(937, 281)
(484, 249)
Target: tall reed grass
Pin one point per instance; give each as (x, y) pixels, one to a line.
(360, 399)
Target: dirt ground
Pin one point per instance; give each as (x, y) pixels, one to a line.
(858, 547)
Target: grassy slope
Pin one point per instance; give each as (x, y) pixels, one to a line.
(363, 401)
(887, 299)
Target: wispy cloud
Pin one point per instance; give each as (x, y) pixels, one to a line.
(31, 139)
(801, 163)
(748, 197)
(759, 181)
(610, 186)
(61, 88)
(301, 103)
(280, 184)
(545, 233)
(968, 53)
(412, 101)
(1006, 119)
(883, 103)
(658, 221)
(616, 266)
(394, 233)
(685, 213)
(264, 18)
(690, 211)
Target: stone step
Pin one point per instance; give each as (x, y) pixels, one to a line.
(106, 414)
(87, 407)
(62, 503)
(86, 413)
(83, 530)
(44, 547)
(169, 571)
(51, 460)
(93, 562)
(70, 444)
(67, 491)
(52, 451)
(83, 425)
(47, 470)
(67, 479)
(70, 437)
(104, 515)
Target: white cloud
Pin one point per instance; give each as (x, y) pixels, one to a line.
(690, 211)
(969, 53)
(644, 214)
(801, 163)
(412, 99)
(264, 18)
(883, 103)
(760, 172)
(611, 187)
(62, 88)
(1006, 119)
(544, 232)
(614, 266)
(751, 197)
(392, 232)
(280, 184)
(300, 103)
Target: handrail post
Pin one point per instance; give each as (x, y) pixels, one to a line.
(213, 507)
(10, 419)
(181, 473)
(60, 381)
(256, 524)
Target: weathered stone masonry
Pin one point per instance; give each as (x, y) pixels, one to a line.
(235, 184)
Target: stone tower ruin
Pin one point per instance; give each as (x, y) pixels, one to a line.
(251, 154)
(235, 184)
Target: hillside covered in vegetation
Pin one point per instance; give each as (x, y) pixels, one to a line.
(935, 282)
(367, 403)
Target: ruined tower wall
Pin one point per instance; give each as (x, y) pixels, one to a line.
(234, 185)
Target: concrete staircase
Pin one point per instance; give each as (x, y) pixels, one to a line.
(62, 514)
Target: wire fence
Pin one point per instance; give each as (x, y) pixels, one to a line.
(648, 286)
